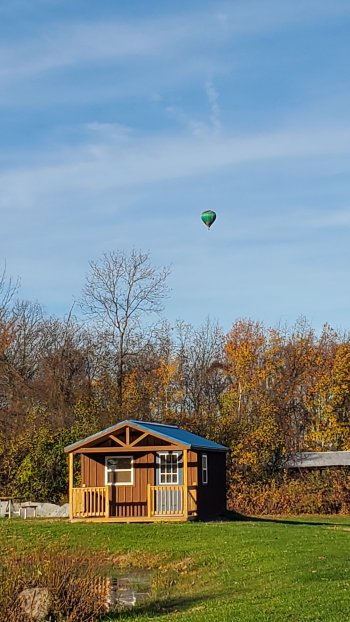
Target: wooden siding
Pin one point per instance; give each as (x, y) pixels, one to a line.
(92, 470)
(192, 465)
(125, 501)
(131, 501)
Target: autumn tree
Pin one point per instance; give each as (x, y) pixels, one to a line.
(295, 360)
(150, 376)
(248, 413)
(329, 400)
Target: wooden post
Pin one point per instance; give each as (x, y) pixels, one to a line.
(107, 501)
(185, 483)
(149, 513)
(71, 484)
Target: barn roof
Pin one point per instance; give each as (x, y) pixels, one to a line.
(318, 459)
(168, 432)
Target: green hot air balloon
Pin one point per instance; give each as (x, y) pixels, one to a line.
(208, 217)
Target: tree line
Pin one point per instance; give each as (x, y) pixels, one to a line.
(265, 392)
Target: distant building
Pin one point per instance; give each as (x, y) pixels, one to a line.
(318, 460)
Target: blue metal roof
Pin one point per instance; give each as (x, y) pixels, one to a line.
(170, 432)
(178, 435)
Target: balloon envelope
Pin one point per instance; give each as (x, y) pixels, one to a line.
(208, 217)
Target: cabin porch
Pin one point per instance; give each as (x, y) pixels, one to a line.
(177, 503)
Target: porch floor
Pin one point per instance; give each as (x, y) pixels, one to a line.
(134, 519)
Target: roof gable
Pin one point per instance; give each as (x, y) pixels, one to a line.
(162, 432)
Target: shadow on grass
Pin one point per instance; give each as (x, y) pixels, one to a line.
(155, 609)
(236, 516)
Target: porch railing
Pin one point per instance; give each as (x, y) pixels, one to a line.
(165, 500)
(168, 501)
(90, 502)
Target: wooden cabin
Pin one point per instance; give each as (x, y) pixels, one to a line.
(137, 471)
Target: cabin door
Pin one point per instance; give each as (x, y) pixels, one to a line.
(169, 480)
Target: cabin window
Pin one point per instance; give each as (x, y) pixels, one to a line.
(119, 470)
(204, 469)
(168, 468)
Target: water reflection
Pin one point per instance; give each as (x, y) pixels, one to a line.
(127, 591)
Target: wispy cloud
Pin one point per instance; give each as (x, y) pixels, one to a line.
(70, 45)
(117, 159)
(213, 98)
(56, 46)
(200, 128)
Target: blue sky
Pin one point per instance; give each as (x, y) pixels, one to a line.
(121, 121)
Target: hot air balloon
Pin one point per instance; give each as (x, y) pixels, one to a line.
(208, 217)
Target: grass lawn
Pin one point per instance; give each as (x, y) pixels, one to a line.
(295, 570)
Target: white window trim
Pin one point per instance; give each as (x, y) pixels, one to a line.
(205, 470)
(107, 483)
(167, 453)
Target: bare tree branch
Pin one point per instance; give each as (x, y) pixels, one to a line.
(120, 292)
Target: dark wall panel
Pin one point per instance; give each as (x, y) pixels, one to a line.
(212, 496)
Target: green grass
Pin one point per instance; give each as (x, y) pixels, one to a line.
(240, 571)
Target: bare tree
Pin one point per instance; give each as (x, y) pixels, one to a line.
(201, 376)
(27, 328)
(64, 374)
(8, 289)
(121, 290)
